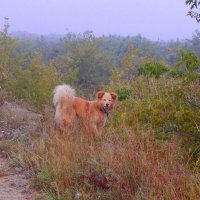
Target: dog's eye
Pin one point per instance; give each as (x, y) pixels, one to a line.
(109, 100)
(104, 100)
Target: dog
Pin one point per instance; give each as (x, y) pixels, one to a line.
(92, 114)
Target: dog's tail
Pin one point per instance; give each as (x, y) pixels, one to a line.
(63, 97)
(63, 92)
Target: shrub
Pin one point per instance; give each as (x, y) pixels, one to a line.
(123, 93)
(153, 69)
(176, 72)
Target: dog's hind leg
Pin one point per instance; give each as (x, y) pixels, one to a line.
(65, 126)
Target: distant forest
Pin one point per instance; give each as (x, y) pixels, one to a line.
(87, 53)
(114, 46)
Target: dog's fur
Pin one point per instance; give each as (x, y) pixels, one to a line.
(93, 114)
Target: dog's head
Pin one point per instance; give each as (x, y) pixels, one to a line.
(106, 100)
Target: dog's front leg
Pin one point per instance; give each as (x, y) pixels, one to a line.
(100, 129)
(94, 130)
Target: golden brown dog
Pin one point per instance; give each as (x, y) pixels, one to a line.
(93, 114)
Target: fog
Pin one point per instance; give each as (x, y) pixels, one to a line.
(154, 19)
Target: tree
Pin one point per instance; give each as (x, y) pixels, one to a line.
(194, 6)
(10, 60)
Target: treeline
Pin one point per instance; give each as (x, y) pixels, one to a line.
(115, 45)
(35, 64)
(85, 60)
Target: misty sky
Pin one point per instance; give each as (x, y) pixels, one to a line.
(154, 19)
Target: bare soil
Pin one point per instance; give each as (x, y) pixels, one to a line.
(16, 124)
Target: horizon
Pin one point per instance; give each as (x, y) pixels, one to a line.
(18, 33)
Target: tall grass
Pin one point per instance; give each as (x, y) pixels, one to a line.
(126, 165)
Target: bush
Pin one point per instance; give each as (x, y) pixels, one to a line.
(153, 69)
(35, 83)
(123, 93)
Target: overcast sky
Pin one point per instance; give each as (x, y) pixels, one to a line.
(154, 19)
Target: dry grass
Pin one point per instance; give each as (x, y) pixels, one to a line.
(125, 163)
(129, 165)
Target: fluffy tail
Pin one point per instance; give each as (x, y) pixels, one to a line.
(62, 92)
(63, 97)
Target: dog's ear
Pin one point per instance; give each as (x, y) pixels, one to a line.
(100, 94)
(113, 95)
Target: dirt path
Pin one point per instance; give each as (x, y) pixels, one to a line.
(14, 183)
(16, 124)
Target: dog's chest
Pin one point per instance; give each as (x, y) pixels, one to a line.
(102, 120)
(105, 120)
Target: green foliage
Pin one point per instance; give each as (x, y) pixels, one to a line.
(190, 64)
(170, 107)
(123, 93)
(84, 63)
(152, 69)
(72, 76)
(36, 83)
(129, 62)
(189, 61)
(176, 72)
